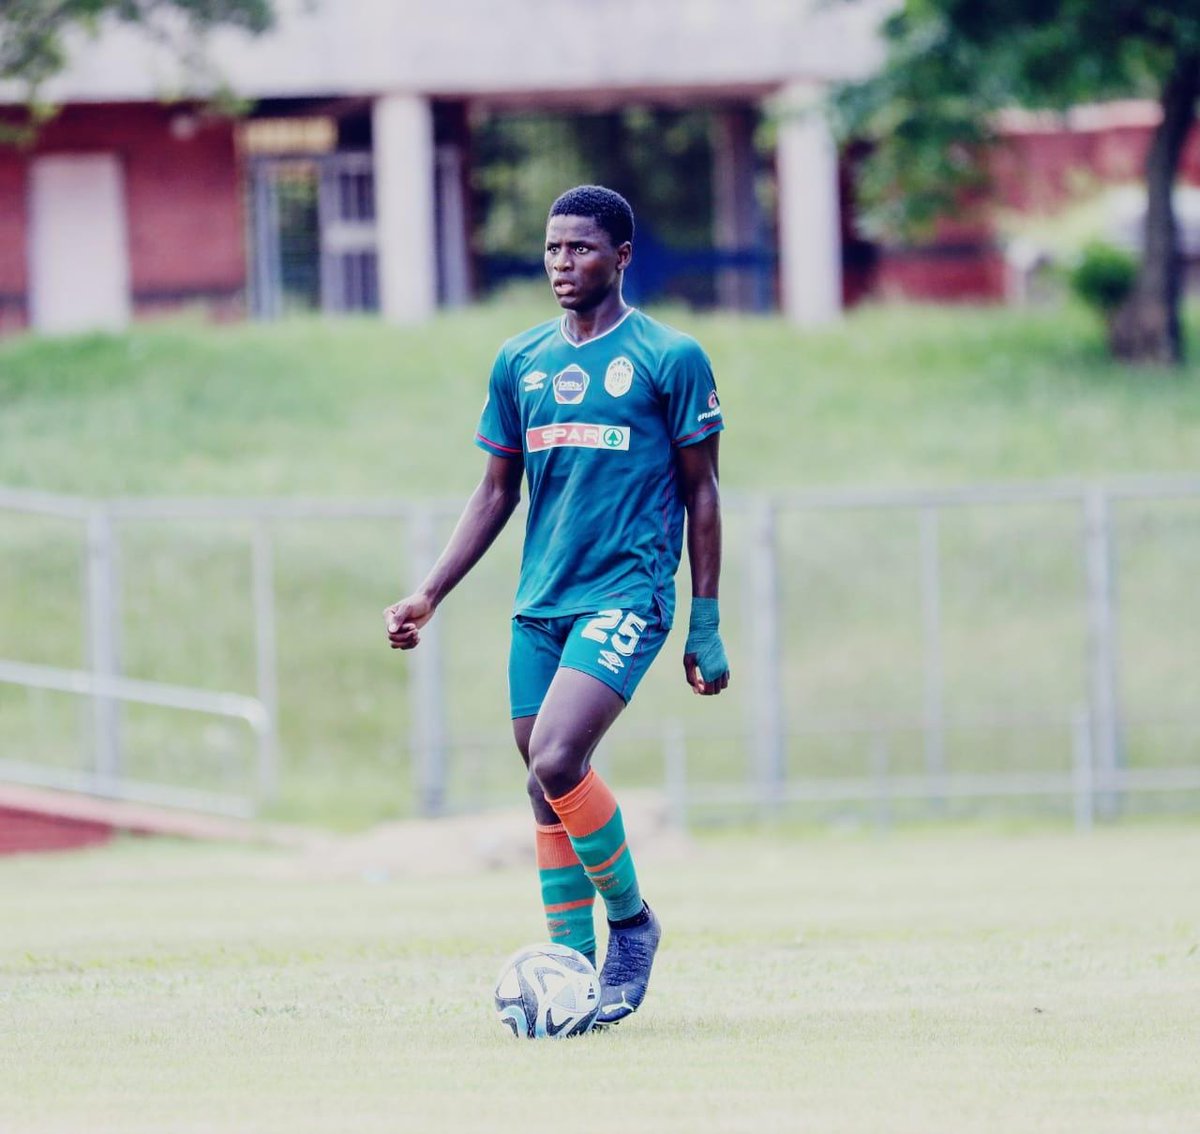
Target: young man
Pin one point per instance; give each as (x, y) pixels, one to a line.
(613, 418)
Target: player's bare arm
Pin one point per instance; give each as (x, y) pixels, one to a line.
(482, 520)
(704, 664)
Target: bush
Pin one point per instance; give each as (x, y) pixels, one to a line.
(1103, 277)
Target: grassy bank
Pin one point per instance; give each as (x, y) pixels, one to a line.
(893, 395)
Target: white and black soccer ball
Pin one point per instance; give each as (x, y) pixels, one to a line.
(547, 992)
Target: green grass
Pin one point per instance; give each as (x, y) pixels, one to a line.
(935, 982)
(893, 396)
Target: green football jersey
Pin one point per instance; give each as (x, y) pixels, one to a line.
(597, 424)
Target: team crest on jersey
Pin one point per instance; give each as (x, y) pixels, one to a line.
(619, 376)
(570, 385)
(534, 381)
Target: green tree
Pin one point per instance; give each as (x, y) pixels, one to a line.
(32, 47)
(951, 65)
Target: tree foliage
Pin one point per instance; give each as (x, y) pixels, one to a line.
(952, 64)
(661, 159)
(32, 47)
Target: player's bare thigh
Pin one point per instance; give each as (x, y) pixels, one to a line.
(559, 742)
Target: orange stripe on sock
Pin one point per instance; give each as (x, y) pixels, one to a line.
(608, 861)
(586, 807)
(560, 907)
(552, 847)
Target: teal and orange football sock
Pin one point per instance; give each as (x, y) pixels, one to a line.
(567, 893)
(592, 819)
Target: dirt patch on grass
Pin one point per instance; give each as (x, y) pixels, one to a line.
(465, 844)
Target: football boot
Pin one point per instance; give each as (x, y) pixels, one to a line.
(627, 965)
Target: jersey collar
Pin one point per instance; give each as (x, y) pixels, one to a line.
(562, 330)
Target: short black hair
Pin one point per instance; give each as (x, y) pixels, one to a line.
(605, 206)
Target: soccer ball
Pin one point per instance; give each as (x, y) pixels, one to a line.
(547, 991)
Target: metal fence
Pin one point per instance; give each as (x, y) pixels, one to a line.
(896, 654)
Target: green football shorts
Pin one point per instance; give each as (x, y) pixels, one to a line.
(614, 646)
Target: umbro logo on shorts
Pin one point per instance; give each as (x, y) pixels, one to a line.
(577, 435)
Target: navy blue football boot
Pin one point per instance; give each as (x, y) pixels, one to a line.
(627, 965)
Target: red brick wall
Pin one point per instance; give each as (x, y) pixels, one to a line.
(942, 274)
(1033, 170)
(13, 268)
(183, 203)
(1038, 170)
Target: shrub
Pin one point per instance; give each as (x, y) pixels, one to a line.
(1103, 277)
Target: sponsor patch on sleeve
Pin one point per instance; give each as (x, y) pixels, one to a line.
(714, 408)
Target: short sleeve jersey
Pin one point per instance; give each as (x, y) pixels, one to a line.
(598, 424)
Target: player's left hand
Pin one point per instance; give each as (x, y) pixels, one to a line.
(705, 666)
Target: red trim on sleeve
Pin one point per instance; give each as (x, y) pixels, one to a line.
(718, 424)
(495, 444)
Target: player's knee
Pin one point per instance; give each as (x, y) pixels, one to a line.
(534, 788)
(556, 767)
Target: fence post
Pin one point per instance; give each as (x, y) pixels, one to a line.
(880, 770)
(933, 709)
(426, 682)
(104, 649)
(766, 701)
(1082, 772)
(1104, 694)
(675, 772)
(266, 658)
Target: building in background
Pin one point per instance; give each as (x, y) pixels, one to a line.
(127, 204)
(351, 184)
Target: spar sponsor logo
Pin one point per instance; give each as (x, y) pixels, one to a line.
(570, 385)
(577, 435)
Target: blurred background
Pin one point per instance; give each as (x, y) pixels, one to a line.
(255, 262)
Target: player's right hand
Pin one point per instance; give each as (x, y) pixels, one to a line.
(404, 620)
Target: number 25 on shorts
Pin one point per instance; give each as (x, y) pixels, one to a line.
(628, 629)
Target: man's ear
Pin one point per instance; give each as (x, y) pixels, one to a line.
(624, 254)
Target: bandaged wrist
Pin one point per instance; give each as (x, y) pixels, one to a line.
(705, 614)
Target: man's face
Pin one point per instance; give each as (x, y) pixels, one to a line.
(583, 265)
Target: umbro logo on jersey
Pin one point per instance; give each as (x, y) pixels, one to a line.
(577, 435)
(570, 385)
(534, 381)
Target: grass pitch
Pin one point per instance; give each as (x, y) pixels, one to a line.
(948, 981)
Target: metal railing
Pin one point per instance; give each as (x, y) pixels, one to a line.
(106, 779)
(1096, 724)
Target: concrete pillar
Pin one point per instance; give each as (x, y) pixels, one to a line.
(402, 129)
(735, 209)
(810, 245)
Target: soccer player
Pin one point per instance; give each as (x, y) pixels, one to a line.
(613, 418)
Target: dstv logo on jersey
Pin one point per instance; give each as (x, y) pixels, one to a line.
(570, 385)
(577, 435)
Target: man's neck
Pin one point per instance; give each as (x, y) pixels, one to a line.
(580, 326)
